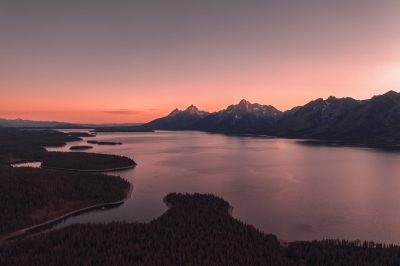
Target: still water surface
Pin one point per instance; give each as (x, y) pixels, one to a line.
(295, 191)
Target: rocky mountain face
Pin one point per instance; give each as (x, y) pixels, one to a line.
(376, 120)
(243, 117)
(178, 119)
(314, 117)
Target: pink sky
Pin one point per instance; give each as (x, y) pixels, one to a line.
(136, 63)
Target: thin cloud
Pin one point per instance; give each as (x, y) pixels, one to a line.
(122, 112)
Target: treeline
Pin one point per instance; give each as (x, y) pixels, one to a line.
(343, 252)
(31, 196)
(17, 144)
(50, 138)
(85, 161)
(196, 230)
(80, 147)
(104, 142)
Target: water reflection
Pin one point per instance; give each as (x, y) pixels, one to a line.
(295, 191)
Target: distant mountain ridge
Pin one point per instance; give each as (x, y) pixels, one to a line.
(242, 117)
(178, 120)
(376, 120)
(23, 123)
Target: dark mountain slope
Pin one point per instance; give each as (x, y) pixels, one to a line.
(315, 117)
(177, 119)
(372, 121)
(243, 117)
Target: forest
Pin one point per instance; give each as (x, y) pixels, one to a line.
(196, 230)
(31, 196)
(103, 142)
(85, 161)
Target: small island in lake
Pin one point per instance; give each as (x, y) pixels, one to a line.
(104, 142)
(83, 147)
(82, 134)
(83, 161)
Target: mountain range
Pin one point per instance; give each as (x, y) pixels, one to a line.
(372, 121)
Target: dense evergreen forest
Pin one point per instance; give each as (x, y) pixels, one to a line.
(31, 196)
(85, 161)
(104, 142)
(196, 230)
(16, 145)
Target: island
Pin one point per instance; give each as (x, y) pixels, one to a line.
(197, 229)
(82, 147)
(104, 142)
(82, 134)
(83, 161)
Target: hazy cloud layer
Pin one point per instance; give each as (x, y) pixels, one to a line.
(123, 112)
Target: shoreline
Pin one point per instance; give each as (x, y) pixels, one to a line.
(91, 170)
(380, 146)
(31, 229)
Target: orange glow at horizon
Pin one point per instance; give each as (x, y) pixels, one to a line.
(89, 104)
(135, 61)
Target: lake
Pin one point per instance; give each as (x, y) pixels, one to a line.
(295, 191)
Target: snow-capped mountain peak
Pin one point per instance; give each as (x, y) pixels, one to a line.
(191, 110)
(174, 112)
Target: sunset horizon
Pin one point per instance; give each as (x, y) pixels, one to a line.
(136, 61)
(126, 116)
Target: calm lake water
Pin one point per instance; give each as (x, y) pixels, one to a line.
(292, 190)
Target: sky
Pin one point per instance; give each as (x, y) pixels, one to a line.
(132, 61)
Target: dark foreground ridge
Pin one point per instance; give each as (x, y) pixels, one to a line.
(196, 230)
